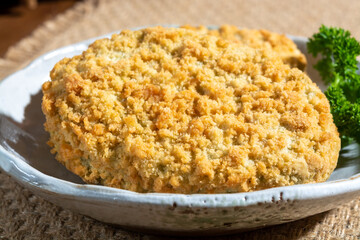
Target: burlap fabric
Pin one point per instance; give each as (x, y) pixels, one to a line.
(26, 216)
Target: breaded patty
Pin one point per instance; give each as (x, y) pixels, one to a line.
(174, 110)
(279, 43)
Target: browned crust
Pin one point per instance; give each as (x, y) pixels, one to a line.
(284, 47)
(174, 110)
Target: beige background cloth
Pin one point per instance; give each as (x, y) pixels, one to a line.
(26, 216)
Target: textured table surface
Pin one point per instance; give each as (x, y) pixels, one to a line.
(26, 216)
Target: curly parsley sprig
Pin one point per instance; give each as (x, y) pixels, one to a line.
(338, 67)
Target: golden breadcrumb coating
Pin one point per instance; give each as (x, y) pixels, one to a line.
(284, 47)
(174, 110)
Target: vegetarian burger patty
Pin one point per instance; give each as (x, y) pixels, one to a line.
(175, 110)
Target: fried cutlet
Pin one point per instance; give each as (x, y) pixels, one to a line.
(174, 110)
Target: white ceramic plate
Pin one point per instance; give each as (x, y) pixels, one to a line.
(25, 156)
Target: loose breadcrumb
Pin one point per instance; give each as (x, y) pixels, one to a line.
(181, 111)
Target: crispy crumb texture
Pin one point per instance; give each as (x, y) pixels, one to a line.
(262, 39)
(181, 111)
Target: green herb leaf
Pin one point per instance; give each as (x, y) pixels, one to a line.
(338, 67)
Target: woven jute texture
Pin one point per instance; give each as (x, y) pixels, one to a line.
(26, 216)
